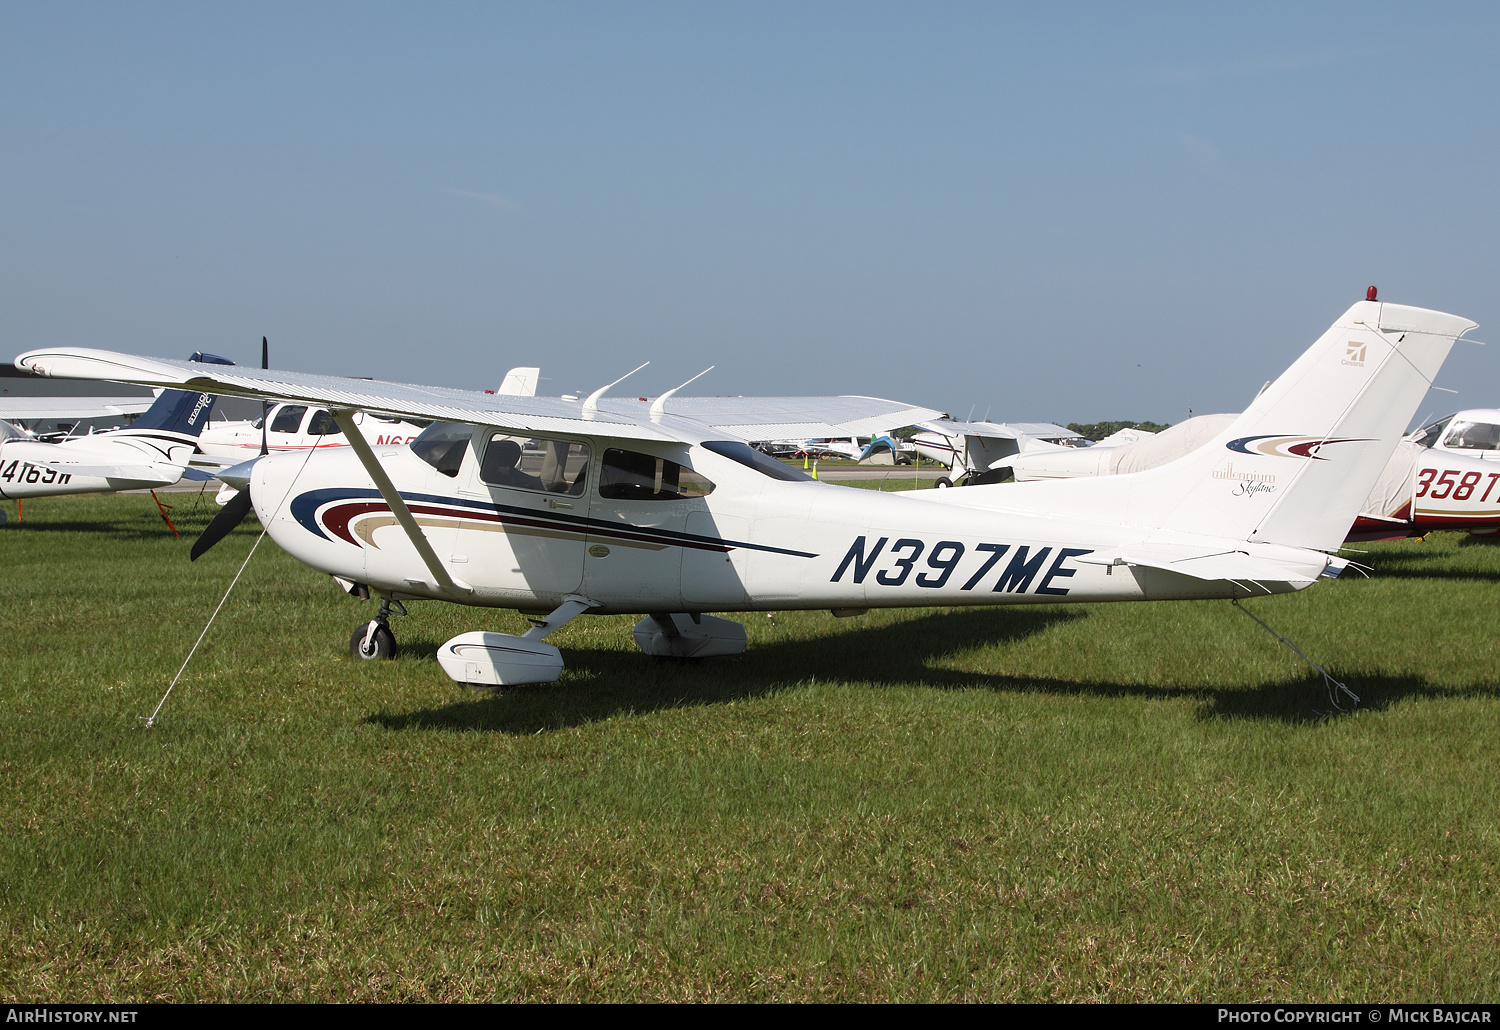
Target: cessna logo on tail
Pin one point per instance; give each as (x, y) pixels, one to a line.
(1287, 446)
(1355, 355)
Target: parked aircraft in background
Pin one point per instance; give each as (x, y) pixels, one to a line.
(152, 452)
(1143, 451)
(26, 412)
(296, 427)
(1474, 434)
(1444, 476)
(670, 513)
(981, 452)
(854, 448)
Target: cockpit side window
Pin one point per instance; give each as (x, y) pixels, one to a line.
(442, 445)
(1473, 436)
(554, 466)
(633, 476)
(1430, 435)
(288, 419)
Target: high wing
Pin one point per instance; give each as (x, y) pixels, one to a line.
(744, 417)
(32, 408)
(996, 430)
(763, 418)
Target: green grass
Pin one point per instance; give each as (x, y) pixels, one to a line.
(1121, 802)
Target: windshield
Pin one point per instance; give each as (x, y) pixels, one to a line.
(1473, 436)
(442, 445)
(1429, 435)
(762, 463)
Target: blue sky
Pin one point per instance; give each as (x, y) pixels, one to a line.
(1061, 212)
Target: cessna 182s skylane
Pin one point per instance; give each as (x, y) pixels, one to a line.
(668, 513)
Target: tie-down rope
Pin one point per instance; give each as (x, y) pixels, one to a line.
(1335, 688)
(151, 719)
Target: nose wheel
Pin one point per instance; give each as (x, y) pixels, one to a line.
(373, 640)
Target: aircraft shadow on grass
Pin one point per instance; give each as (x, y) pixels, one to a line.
(1420, 563)
(608, 683)
(189, 512)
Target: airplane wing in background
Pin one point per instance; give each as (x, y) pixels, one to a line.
(750, 418)
(34, 408)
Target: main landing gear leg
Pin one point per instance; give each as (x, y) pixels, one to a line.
(374, 639)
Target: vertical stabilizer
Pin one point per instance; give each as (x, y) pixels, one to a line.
(1296, 467)
(177, 411)
(520, 382)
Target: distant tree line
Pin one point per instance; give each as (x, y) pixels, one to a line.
(1099, 430)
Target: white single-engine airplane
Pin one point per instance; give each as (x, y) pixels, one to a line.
(151, 452)
(978, 453)
(672, 514)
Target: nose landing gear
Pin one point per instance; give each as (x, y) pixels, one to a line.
(373, 640)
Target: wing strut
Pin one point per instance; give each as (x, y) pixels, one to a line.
(387, 489)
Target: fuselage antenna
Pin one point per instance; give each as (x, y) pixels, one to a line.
(659, 406)
(591, 404)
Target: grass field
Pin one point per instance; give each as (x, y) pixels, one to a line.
(1119, 802)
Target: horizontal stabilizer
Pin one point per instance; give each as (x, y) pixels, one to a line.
(164, 475)
(1229, 566)
(28, 408)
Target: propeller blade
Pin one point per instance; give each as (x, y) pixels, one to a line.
(265, 408)
(231, 515)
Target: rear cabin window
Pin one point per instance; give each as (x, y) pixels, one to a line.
(760, 462)
(1473, 436)
(288, 419)
(442, 445)
(322, 423)
(553, 466)
(633, 476)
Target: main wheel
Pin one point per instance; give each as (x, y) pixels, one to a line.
(943, 483)
(382, 645)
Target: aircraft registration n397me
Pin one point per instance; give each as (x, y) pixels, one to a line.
(569, 507)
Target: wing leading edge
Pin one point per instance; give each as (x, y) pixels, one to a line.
(749, 418)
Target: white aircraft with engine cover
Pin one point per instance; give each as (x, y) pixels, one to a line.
(1444, 476)
(296, 427)
(153, 451)
(980, 452)
(671, 514)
